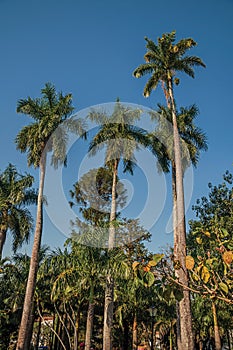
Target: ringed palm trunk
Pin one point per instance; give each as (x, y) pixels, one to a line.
(30, 328)
(186, 336)
(90, 318)
(176, 253)
(31, 282)
(109, 289)
(217, 339)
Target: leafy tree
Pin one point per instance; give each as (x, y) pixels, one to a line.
(15, 194)
(211, 247)
(37, 139)
(163, 61)
(92, 195)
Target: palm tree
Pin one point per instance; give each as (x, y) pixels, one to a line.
(163, 61)
(121, 138)
(37, 139)
(15, 194)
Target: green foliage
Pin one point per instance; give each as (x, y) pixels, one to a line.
(13, 279)
(213, 253)
(15, 195)
(193, 139)
(50, 128)
(165, 59)
(92, 194)
(120, 135)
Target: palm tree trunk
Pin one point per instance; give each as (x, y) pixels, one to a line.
(217, 338)
(176, 251)
(90, 318)
(2, 241)
(186, 335)
(135, 331)
(31, 282)
(111, 241)
(56, 328)
(30, 329)
(108, 314)
(38, 333)
(109, 289)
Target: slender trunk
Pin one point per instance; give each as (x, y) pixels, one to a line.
(135, 331)
(65, 336)
(31, 282)
(56, 329)
(89, 326)
(111, 242)
(108, 314)
(90, 318)
(176, 252)
(170, 337)
(2, 241)
(217, 338)
(72, 323)
(77, 323)
(229, 339)
(109, 289)
(38, 333)
(186, 335)
(174, 195)
(30, 328)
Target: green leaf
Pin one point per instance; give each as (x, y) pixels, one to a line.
(149, 279)
(157, 258)
(224, 287)
(224, 232)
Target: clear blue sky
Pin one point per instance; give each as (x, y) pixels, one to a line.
(90, 48)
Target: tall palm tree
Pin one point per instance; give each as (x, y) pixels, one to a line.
(121, 138)
(15, 194)
(163, 61)
(37, 139)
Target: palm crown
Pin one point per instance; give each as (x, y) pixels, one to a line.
(48, 112)
(193, 139)
(15, 194)
(165, 59)
(122, 137)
